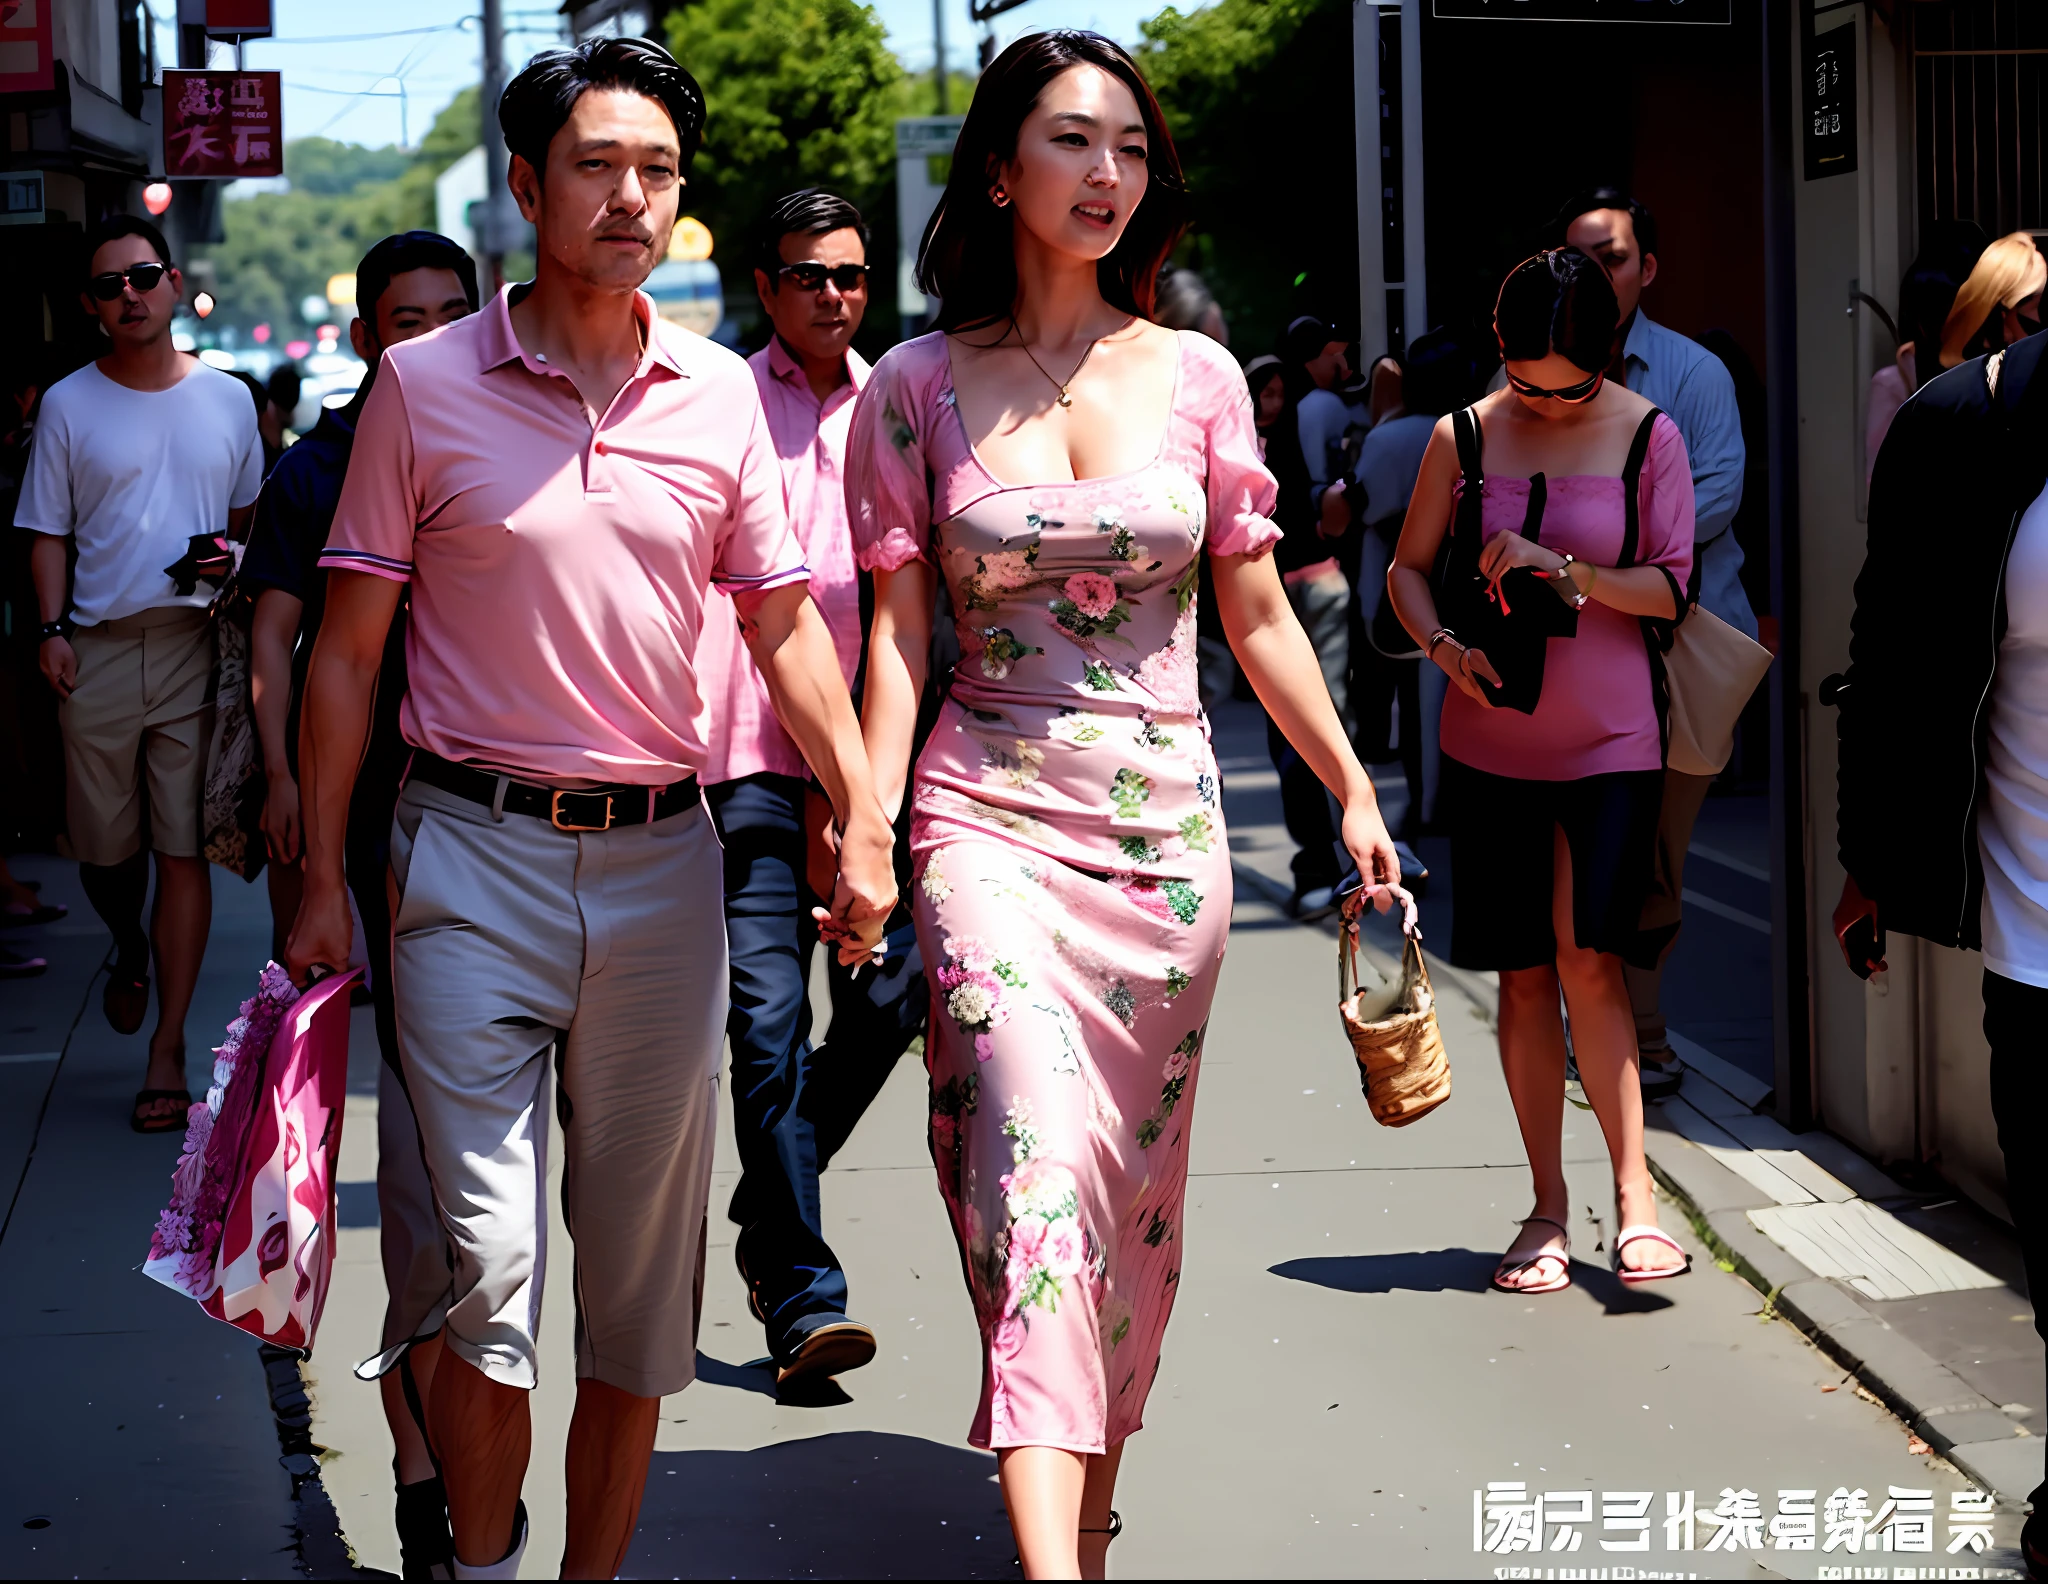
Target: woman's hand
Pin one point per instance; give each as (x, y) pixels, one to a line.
(1465, 667)
(281, 818)
(1372, 849)
(1505, 551)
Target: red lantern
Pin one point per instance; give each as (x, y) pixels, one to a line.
(260, 334)
(156, 197)
(297, 349)
(202, 305)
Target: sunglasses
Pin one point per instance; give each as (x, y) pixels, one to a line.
(1583, 391)
(143, 277)
(811, 275)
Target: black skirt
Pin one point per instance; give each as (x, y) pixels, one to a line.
(1502, 869)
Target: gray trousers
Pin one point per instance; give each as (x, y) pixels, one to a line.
(509, 937)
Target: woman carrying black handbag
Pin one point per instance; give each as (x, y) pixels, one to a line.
(1541, 566)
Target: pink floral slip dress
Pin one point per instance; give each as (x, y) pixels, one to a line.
(1073, 888)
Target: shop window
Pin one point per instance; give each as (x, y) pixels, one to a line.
(1980, 104)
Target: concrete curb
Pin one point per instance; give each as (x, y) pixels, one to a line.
(1937, 1404)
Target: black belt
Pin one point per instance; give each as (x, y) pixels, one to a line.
(590, 809)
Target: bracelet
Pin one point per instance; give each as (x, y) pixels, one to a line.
(1564, 575)
(49, 630)
(1437, 637)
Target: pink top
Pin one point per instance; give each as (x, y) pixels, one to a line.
(559, 571)
(810, 443)
(1595, 715)
(927, 472)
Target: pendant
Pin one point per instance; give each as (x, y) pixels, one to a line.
(1066, 400)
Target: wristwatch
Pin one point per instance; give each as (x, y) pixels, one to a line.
(1568, 586)
(49, 630)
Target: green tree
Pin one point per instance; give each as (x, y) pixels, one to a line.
(321, 165)
(1274, 234)
(798, 93)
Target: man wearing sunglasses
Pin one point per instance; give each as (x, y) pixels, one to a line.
(1695, 389)
(135, 456)
(794, 1106)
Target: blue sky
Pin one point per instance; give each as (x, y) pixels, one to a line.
(376, 71)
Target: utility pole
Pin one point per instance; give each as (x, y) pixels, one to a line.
(491, 220)
(939, 71)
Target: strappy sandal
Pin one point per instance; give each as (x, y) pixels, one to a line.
(1648, 1234)
(1563, 1257)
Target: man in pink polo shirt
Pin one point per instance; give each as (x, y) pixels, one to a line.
(560, 478)
(794, 1106)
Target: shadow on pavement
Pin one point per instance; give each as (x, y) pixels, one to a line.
(1454, 1270)
(862, 1504)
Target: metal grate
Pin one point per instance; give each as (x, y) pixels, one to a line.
(1980, 80)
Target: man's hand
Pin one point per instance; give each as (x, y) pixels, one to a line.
(60, 665)
(1856, 931)
(281, 817)
(323, 934)
(865, 893)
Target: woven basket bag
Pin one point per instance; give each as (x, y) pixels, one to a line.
(1401, 1063)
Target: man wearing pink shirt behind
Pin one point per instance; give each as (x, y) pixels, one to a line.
(794, 1106)
(560, 478)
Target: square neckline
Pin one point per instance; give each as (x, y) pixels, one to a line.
(951, 396)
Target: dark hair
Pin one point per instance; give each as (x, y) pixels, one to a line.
(967, 259)
(284, 386)
(407, 251)
(1558, 301)
(536, 103)
(809, 211)
(1593, 198)
(115, 226)
(1304, 339)
(1437, 377)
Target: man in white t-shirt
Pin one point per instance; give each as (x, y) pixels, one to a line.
(135, 457)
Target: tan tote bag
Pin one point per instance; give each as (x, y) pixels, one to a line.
(1709, 675)
(1393, 1032)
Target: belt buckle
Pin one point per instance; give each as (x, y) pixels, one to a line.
(555, 812)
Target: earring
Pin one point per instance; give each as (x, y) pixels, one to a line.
(999, 197)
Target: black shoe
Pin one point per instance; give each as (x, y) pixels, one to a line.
(1661, 1074)
(426, 1549)
(834, 1345)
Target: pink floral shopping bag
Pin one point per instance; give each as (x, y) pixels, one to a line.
(249, 1231)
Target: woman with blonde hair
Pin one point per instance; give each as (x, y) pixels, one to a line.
(2000, 302)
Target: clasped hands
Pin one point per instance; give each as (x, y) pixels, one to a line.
(863, 890)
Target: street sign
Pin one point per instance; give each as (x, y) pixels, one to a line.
(26, 64)
(223, 124)
(21, 197)
(1711, 13)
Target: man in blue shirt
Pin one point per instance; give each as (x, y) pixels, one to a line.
(1695, 389)
(406, 286)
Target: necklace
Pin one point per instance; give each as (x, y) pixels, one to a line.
(1062, 386)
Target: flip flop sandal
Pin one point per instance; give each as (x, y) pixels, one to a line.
(1640, 1234)
(41, 913)
(148, 1115)
(15, 966)
(1563, 1257)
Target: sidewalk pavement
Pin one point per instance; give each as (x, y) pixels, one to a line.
(1922, 1295)
(1339, 1384)
(143, 1441)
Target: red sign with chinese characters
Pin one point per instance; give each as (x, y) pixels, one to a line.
(26, 65)
(223, 124)
(245, 18)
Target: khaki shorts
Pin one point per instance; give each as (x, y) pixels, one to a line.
(135, 733)
(511, 936)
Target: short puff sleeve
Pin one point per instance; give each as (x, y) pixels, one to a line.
(1667, 510)
(1242, 493)
(888, 484)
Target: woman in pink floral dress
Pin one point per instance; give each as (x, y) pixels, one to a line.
(1073, 888)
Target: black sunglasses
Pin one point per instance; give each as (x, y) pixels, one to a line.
(811, 275)
(143, 277)
(1582, 391)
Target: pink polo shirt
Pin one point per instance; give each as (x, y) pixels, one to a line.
(810, 443)
(559, 571)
